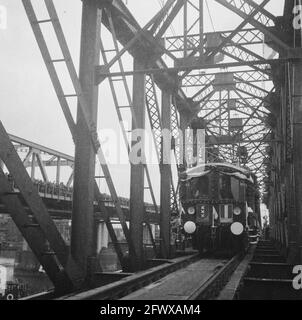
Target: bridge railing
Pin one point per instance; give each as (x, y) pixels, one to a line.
(60, 191)
(54, 190)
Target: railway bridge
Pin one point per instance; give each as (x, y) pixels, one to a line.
(232, 96)
(57, 195)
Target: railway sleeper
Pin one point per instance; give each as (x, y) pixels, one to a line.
(268, 289)
(273, 258)
(270, 270)
(268, 276)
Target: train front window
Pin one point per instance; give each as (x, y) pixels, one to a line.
(225, 187)
(196, 188)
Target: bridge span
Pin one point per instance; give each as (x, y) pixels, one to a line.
(222, 106)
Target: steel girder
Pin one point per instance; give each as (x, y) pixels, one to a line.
(142, 42)
(249, 36)
(40, 231)
(263, 20)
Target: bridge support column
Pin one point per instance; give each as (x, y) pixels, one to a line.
(33, 166)
(82, 237)
(297, 150)
(137, 169)
(291, 221)
(165, 177)
(58, 172)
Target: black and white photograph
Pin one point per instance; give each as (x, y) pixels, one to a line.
(151, 155)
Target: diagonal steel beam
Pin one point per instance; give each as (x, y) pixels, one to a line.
(42, 167)
(9, 156)
(255, 23)
(167, 22)
(227, 39)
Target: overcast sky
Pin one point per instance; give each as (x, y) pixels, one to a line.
(28, 105)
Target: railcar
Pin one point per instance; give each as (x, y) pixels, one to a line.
(218, 203)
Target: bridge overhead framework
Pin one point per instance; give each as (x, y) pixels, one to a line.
(248, 104)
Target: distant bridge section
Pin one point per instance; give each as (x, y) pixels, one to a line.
(56, 195)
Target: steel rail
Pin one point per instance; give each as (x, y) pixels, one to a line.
(212, 287)
(133, 282)
(208, 290)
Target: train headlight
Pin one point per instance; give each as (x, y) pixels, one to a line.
(237, 228)
(191, 210)
(190, 227)
(237, 211)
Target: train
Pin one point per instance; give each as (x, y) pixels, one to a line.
(220, 206)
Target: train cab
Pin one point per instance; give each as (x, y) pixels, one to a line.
(214, 201)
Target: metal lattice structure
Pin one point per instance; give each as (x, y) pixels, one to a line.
(176, 74)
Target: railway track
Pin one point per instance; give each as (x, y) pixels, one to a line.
(133, 282)
(213, 286)
(207, 287)
(119, 284)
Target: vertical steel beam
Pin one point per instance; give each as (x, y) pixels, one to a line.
(291, 221)
(137, 170)
(165, 177)
(82, 242)
(58, 171)
(201, 29)
(185, 28)
(33, 166)
(297, 149)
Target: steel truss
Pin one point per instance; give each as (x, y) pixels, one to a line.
(234, 82)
